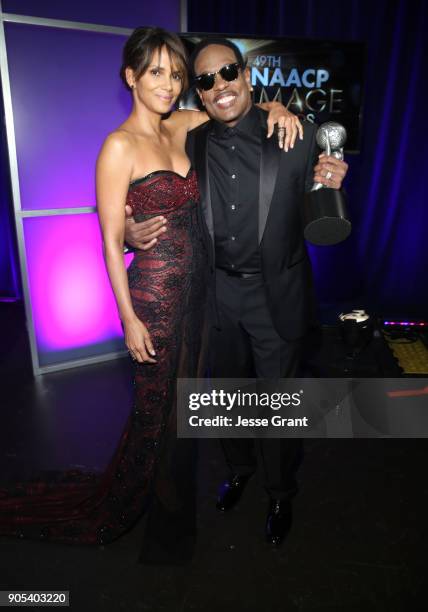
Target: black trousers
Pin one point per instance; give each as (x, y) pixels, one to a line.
(247, 345)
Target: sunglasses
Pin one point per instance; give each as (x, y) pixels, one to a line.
(229, 72)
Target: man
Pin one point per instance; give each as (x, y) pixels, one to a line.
(261, 291)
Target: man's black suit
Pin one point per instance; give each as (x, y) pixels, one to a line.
(258, 322)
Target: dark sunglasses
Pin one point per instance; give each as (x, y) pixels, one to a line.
(228, 73)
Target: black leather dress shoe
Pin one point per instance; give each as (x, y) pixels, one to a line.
(230, 492)
(279, 520)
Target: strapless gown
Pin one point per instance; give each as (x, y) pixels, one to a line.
(151, 468)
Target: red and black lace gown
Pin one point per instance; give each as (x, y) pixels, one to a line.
(151, 468)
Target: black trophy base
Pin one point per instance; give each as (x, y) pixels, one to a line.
(326, 217)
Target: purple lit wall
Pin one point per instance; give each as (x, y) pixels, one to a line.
(73, 306)
(126, 13)
(66, 97)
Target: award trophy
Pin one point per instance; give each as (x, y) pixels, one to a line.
(325, 209)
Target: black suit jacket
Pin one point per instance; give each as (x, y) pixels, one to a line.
(286, 269)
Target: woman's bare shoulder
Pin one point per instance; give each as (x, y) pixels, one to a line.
(117, 152)
(120, 138)
(118, 144)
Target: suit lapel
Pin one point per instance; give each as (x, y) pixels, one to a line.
(201, 166)
(270, 157)
(269, 166)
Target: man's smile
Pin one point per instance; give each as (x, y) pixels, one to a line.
(225, 100)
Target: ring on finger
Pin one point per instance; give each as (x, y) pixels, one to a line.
(329, 175)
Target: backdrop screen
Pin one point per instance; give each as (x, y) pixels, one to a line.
(316, 79)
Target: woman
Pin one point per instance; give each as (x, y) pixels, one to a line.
(160, 302)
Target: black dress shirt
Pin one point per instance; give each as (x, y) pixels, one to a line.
(234, 171)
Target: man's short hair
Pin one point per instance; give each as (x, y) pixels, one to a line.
(213, 40)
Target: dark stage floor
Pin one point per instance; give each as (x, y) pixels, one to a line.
(358, 541)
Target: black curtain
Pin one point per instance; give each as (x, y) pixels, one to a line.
(383, 265)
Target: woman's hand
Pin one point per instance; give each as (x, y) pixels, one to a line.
(288, 124)
(138, 341)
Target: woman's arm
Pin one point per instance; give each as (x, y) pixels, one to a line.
(113, 173)
(288, 124)
(186, 119)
